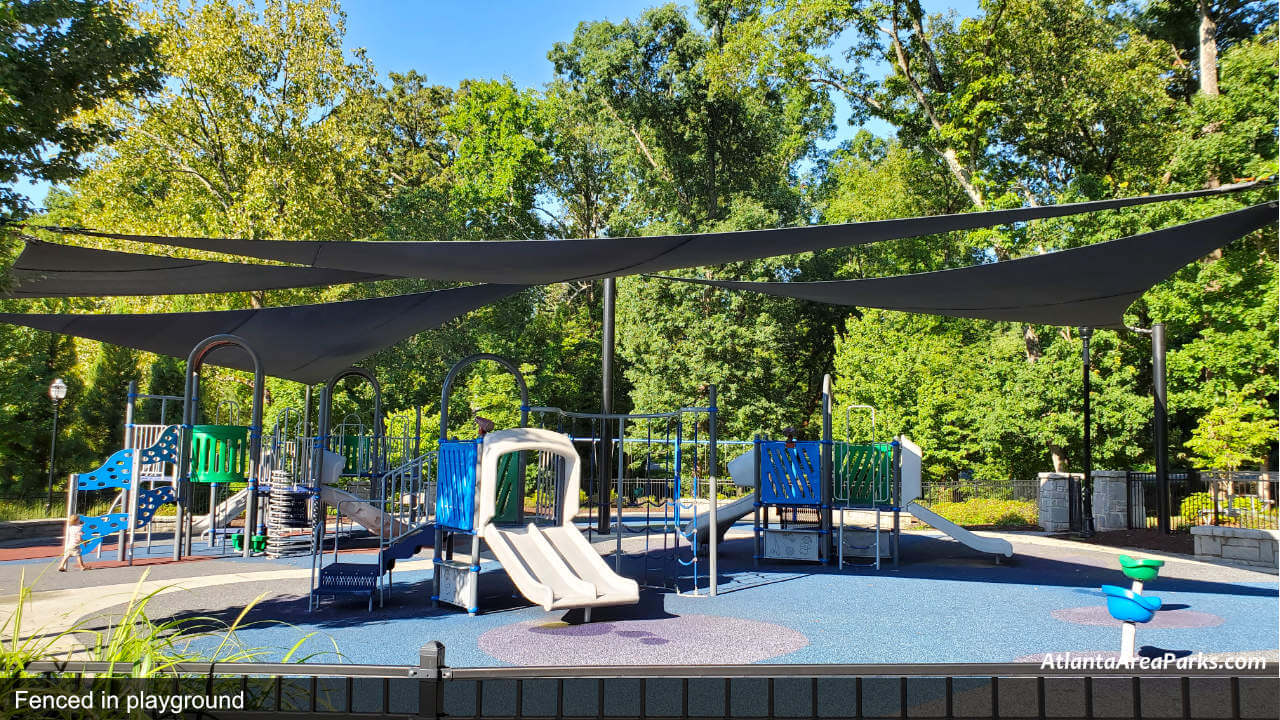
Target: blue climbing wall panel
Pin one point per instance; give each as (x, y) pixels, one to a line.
(97, 527)
(456, 485)
(149, 501)
(791, 476)
(165, 449)
(116, 472)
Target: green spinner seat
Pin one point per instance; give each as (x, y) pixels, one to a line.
(1143, 571)
(219, 453)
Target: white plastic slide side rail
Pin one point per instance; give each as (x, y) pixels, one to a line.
(981, 543)
(726, 515)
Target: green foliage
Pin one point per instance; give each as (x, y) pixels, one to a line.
(1231, 435)
(986, 512)
(63, 58)
(133, 644)
(1196, 509)
(710, 119)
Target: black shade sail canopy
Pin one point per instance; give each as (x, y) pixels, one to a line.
(52, 270)
(1089, 286)
(535, 262)
(306, 343)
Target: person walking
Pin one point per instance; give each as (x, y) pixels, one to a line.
(71, 543)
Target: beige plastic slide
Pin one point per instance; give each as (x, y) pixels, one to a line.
(358, 509)
(554, 567)
(981, 543)
(227, 511)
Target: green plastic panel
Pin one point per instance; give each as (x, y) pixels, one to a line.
(510, 497)
(863, 474)
(219, 453)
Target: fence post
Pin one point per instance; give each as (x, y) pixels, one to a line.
(1128, 500)
(430, 694)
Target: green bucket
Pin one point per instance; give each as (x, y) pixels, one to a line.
(1143, 571)
(219, 453)
(258, 543)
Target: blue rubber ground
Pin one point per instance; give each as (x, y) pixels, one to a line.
(944, 604)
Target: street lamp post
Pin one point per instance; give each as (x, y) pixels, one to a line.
(57, 391)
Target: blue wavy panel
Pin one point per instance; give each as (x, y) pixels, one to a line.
(116, 472)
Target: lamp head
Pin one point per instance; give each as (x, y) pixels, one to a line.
(57, 390)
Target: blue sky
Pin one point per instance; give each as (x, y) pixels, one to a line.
(452, 41)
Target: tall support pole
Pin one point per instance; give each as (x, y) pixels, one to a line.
(828, 483)
(606, 402)
(299, 476)
(1159, 390)
(1086, 487)
(53, 449)
(713, 524)
(896, 538)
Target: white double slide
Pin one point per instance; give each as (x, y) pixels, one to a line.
(981, 543)
(555, 566)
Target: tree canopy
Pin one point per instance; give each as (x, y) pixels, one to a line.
(255, 119)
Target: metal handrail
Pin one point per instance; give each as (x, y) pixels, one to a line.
(976, 670)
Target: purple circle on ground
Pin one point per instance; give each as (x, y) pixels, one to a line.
(1168, 619)
(684, 640)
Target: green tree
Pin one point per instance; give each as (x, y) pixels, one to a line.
(102, 409)
(62, 58)
(1233, 434)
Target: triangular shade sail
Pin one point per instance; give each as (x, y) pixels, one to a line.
(52, 270)
(306, 343)
(533, 262)
(1090, 286)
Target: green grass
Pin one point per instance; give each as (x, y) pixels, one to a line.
(983, 512)
(133, 644)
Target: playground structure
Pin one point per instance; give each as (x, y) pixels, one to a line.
(802, 491)
(482, 492)
(636, 474)
(394, 504)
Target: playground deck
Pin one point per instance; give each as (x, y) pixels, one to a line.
(945, 603)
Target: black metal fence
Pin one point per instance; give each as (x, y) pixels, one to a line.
(433, 690)
(1241, 499)
(962, 489)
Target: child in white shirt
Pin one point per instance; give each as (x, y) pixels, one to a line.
(71, 543)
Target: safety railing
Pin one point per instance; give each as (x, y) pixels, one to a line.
(431, 689)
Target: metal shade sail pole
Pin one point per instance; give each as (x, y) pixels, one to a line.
(606, 402)
(1086, 486)
(1160, 392)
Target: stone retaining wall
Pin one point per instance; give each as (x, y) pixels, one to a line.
(1258, 548)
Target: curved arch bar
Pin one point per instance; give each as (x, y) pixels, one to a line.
(463, 364)
(191, 411)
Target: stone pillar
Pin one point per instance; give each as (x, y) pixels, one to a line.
(1055, 515)
(1110, 503)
